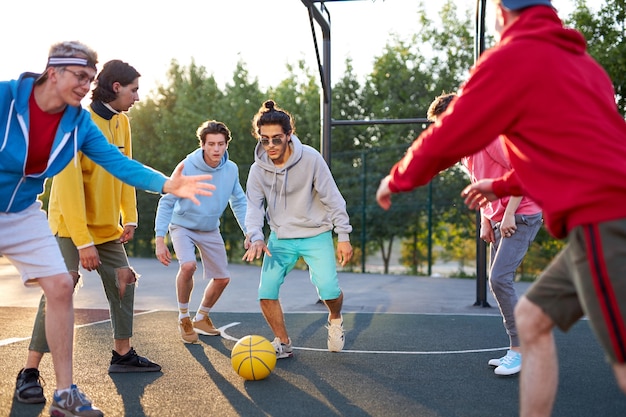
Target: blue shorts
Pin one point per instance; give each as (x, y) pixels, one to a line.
(319, 254)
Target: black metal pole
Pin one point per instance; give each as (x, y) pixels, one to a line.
(481, 247)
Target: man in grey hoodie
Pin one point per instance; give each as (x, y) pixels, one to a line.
(291, 185)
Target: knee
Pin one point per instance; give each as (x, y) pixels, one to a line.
(501, 282)
(59, 288)
(126, 275)
(267, 302)
(221, 283)
(187, 269)
(75, 277)
(530, 319)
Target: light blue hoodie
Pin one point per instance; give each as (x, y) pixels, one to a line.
(301, 198)
(76, 132)
(206, 216)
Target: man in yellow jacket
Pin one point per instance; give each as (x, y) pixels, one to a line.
(86, 205)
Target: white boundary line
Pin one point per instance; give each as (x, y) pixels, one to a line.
(387, 352)
(9, 341)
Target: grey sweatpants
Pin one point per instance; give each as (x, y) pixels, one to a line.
(506, 255)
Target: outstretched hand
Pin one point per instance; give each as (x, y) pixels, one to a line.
(478, 194)
(383, 194)
(188, 186)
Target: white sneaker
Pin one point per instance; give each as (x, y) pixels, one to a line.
(335, 337)
(510, 364)
(496, 361)
(283, 350)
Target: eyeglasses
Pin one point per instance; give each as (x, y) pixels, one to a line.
(82, 77)
(276, 141)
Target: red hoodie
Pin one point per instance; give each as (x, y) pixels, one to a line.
(556, 109)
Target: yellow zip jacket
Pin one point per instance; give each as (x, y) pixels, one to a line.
(86, 202)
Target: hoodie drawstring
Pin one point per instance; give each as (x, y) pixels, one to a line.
(283, 189)
(75, 146)
(6, 132)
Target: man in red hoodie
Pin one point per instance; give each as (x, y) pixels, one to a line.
(566, 141)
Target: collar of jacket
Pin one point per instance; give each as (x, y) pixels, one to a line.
(102, 110)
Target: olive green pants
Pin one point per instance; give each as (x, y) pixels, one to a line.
(114, 263)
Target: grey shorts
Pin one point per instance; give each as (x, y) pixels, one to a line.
(588, 277)
(29, 245)
(211, 247)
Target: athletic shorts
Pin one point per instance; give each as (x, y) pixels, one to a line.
(29, 245)
(211, 247)
(319, 254)
(588, 277)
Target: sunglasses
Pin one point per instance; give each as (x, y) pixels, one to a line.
(275, 141)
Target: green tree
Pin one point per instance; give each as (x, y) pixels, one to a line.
(164, 129)
(404, 80)
(605, 31)
(242, 99)
(299, 94)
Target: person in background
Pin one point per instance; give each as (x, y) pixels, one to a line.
(509, 225)
(555, 108)
(43, 128)
(292, 187)
(192, 227)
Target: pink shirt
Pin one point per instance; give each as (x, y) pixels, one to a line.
(492, 162)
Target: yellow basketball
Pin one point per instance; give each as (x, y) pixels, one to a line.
(253, 357)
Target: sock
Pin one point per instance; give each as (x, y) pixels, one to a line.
(58, 392)
(338, 321)
(202, 311)
(183, 310)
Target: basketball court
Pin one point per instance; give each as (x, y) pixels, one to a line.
(415, 346)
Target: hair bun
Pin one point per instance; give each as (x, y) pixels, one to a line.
(269, 104)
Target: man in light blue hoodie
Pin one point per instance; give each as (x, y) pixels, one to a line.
(292, 187)
(192, 226)
(42, 129)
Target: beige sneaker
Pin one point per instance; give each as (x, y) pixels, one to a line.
(186, 330)
(205, 327)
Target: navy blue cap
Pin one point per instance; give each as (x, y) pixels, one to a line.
(520, 4)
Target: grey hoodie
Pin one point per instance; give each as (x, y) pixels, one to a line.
(301, 198)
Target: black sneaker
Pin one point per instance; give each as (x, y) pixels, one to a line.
(131, 362)
(28, 387)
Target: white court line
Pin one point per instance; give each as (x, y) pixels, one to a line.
(226, 336)
(11, 340)
(388, 352)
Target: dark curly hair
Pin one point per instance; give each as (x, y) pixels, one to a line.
(271, 114)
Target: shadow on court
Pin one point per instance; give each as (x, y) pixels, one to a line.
(393, 365)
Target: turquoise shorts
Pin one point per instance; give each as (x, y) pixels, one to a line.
(319, 254)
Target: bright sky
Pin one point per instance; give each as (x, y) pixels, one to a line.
(265, 34)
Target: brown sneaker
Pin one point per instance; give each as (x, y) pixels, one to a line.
(205, 327)
(186, 330)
